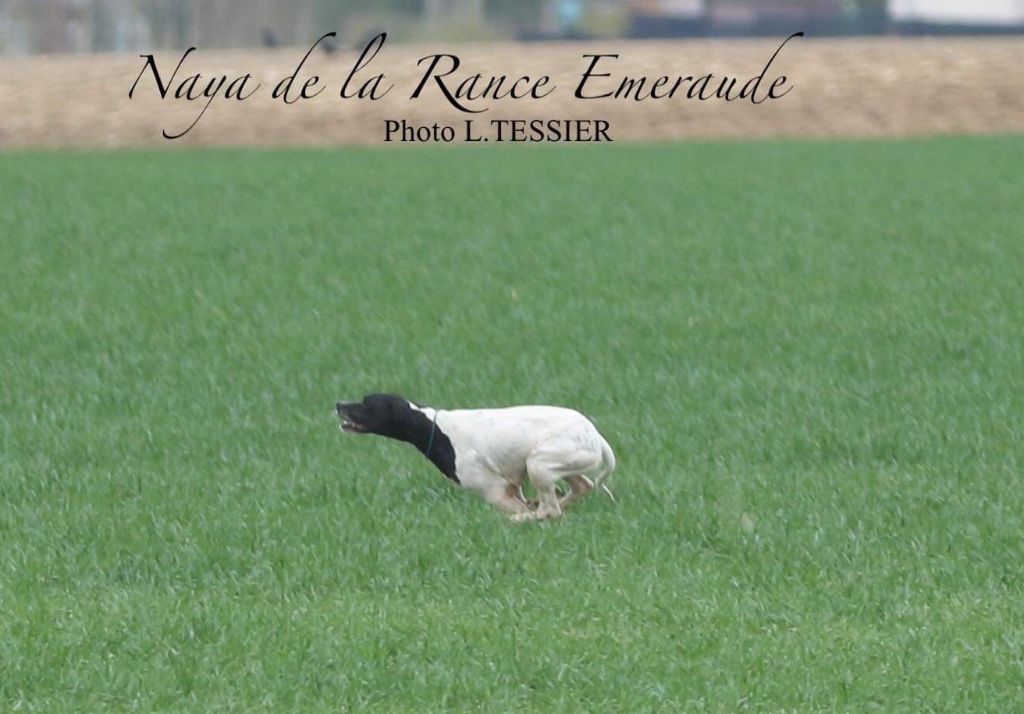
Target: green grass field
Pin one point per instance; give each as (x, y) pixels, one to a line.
(809, 358)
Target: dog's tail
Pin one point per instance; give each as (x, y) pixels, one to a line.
(607, 466)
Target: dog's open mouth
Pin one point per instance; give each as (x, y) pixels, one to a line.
(351, 427)
(350, 418)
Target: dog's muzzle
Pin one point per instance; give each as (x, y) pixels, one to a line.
(348, 423)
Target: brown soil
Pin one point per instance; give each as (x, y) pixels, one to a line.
(849, 87)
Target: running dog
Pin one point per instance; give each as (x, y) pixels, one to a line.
(493, 451)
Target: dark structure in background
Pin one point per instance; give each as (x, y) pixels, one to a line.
(746, 18)
(822, 18)
(34, 26)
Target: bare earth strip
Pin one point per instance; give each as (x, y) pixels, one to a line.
(850, 87)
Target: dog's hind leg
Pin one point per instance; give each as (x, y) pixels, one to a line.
(579, 487)
(543, 475)
(549, 506)
(554, 459)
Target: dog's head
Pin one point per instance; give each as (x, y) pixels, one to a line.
(383, 414)
(397, 418)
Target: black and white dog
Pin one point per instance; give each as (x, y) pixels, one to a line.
(493, 451)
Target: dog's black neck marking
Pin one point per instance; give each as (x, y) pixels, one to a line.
(442, 454)
(432, 438)
(395, 417)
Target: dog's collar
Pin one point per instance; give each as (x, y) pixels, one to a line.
(433, 429)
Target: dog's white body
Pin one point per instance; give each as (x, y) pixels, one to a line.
(496, 450)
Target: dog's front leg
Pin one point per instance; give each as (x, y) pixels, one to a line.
(507, 498)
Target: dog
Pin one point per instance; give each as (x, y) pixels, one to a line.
(493, 451)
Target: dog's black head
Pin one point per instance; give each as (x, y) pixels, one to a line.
(397, 418)
(384, 414)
